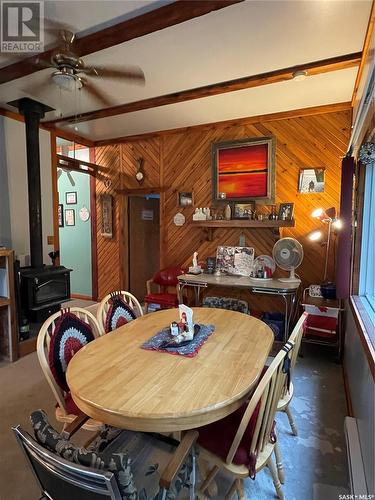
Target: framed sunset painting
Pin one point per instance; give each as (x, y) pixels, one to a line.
(244, 170)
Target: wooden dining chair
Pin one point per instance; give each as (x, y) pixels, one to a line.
(288, 388)
(59, 338)
(243, 442)
(132, 465)
(116, 309)
(168, 291)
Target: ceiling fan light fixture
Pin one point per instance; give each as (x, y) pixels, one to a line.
(300, 75)
(66, 81)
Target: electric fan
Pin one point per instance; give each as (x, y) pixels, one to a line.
(288, 255)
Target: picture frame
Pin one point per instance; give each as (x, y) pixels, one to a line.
(286, 211)
(71, 198)
(70, 219)
(243, 211)
(60, 214)
(185, 199)
(244, 170)
(311, 180)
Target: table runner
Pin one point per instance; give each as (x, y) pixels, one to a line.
(189, 350)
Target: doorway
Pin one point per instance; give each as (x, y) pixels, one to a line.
(144, 241)
(76, 220)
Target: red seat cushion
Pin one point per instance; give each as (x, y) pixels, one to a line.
(218, 437)
(168, 299)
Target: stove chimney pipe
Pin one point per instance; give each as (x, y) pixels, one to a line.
(33, 111)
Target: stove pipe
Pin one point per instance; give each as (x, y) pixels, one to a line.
(33, 111)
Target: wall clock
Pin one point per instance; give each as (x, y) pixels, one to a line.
(140, 175)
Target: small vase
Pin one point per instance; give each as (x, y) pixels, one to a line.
(228, 212)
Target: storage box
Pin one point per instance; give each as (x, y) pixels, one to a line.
(321, 321)
(276, 321)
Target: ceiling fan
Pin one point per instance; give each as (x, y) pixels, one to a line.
(67, 171)
(71, 73)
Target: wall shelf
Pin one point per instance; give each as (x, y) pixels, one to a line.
(211, 225)
(8, 330)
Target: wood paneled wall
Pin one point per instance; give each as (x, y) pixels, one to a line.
(181, 161)
(108, 249)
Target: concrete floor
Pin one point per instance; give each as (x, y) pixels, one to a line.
(315, 461)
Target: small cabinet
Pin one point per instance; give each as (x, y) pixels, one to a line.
(8, 331)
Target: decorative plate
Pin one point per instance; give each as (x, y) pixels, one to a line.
(265, 261)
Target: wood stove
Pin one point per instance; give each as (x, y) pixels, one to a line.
(41, 289)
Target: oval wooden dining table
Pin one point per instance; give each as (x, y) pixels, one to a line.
(113, 380)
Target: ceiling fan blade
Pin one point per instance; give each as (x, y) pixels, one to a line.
(59, 172)
(70, 177)
(98, 94)
(60, 31)
(133, 73)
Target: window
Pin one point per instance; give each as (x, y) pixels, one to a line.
(367, 265)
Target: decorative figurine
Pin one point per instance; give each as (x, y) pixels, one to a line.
(195, 268)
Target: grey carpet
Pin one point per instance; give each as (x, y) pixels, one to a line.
(315, 461)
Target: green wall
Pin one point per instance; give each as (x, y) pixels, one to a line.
(75, 241)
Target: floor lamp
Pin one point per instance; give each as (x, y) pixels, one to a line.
(328, 217)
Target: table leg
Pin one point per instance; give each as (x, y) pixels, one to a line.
(286, 324)
(197, 291)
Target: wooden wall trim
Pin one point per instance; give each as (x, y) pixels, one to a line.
(247, 82)
(283, 115)
(365, 50)
(55, 194)
(93, 218)
(357, 233)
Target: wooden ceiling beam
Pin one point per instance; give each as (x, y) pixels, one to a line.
(155, 20)
(280, 75)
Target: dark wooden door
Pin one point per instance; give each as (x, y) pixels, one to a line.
(144, 238)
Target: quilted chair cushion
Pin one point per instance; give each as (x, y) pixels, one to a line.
(69, 335)
(218, 437)
(227, 303)
(119, 463)
(168, 276)
(119, 313)
(135, 458)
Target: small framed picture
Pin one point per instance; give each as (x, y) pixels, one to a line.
(60, 214)
(311, 180)
(286, 211)
(185, 199)
(71, 198)
(243, 210)
(70, 218)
